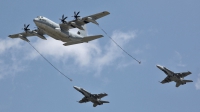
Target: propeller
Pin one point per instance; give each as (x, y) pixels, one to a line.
(63, 19)
(26, 28)
(76, 15)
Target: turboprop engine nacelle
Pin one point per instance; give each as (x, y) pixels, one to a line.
(89, 19)
(40, 36)
(79, 27)
(23, 38)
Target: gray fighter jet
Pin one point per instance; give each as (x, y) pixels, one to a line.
(94, 98)
(176, 77)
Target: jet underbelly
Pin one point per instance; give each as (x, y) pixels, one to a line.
(173, 78)
(56, 34)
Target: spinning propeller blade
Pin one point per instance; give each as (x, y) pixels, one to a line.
(76, 15)
(26, 28)
(63, 19)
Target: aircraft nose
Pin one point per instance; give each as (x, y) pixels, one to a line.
(35, 19)
(75, 87)
(159, 66)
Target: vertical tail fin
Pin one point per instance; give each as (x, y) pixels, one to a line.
(83, 32)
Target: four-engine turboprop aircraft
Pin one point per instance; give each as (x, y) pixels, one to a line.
(176, 77)
(94, 98)
(61, 31)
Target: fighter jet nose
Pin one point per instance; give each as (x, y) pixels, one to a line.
(159, 66)
(75, 87)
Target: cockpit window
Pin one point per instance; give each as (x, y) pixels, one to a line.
(39, 17)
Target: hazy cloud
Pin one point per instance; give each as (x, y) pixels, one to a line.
(11, 66)
(89, 55)
(197, 84)
(6, 44)
(178, 58)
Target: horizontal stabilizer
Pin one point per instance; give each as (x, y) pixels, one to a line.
(72, 42)
(104, 101)
(90, 38)
(85, 39)
(187, 80)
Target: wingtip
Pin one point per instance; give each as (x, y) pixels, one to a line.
(106, 12)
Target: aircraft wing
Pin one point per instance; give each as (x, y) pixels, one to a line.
(101, 95)
(96, 16)
(85, 39)
(166, 80)
(78, 23)
(72, 43)
(84, 100)
(90, 38)
(178, 84)
(22, 35)
(183, 74)
(169, 70)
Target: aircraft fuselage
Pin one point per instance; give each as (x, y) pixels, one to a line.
(53, 29)
(89, 96)
(171, 74)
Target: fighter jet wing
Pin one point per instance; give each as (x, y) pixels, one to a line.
(78, 23)
(183, 74)
(101, 95)
(166, 80)
(169, 70)
(178, 84)
(84, 100)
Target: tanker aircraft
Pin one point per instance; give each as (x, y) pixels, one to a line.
(61, 31)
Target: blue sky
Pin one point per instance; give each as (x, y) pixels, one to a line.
(155, 32)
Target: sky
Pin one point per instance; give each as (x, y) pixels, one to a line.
(164, 32)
